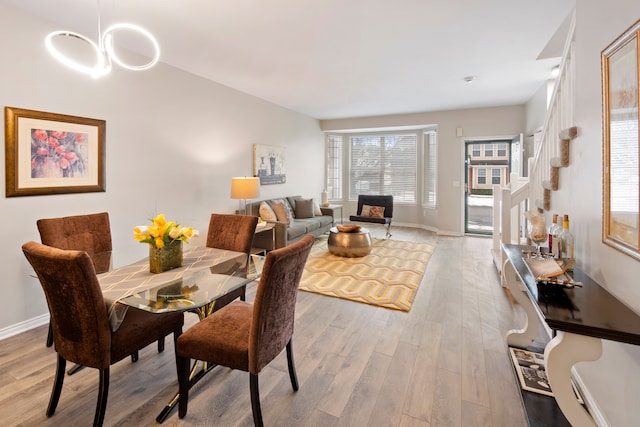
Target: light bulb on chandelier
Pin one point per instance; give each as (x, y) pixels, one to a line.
(104, 50)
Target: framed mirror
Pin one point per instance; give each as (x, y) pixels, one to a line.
(621, 175)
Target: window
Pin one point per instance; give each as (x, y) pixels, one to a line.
(502, 150)
(384, 164)
(495, 176)
(488, 150)
(475, 150)
(430, 169)
(482, 176)
(334, 167)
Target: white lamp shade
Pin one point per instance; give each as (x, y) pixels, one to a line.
(245, 188)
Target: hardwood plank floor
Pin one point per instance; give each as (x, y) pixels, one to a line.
(444, 363)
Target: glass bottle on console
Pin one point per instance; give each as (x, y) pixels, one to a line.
(566, 239)
(554, 242)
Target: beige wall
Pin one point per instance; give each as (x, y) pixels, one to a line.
(173, 143)
(614, 380)
(175, 140)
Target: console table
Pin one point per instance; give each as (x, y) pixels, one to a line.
(581, 317)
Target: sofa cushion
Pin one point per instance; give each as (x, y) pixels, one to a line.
(312, 224)
(282, 210)
(296, 229)
(266, 213)
(316, 208)
(325, 220)
(304, 208)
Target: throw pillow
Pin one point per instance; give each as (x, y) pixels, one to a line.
(267, 213)
(372, 211)
(304, 208)
(316, 208)
(283, 213)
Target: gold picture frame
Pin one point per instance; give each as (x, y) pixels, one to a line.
(47, 153)
(621, 137)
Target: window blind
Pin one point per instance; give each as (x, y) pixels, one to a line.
(384, 164)
(334, 167)
(430, 172)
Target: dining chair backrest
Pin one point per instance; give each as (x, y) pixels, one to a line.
(275, 302)
(80, 323)
(89, 233)
(231, 232)
(78, 312)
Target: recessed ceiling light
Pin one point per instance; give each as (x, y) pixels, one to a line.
(469, 79)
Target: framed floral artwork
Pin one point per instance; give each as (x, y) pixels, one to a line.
(47, 153)
(621, 134)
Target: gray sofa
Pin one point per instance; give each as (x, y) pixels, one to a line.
(289, 233)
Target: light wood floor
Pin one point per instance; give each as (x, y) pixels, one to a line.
(444, 363)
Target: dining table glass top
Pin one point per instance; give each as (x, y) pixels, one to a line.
(206, 275)
(192, 291)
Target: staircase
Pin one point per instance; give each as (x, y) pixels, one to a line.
(551, 153)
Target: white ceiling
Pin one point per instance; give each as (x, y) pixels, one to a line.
(345, 58)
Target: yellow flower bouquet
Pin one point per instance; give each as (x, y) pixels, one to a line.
(165, 242)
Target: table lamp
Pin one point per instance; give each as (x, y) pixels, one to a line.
(244, 188)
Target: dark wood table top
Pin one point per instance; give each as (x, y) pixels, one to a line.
(588, 310)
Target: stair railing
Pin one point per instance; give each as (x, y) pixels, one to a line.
(526, 193)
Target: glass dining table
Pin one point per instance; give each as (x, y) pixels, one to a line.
(207, 274)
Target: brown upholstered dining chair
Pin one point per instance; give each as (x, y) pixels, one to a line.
(232, 233)
(248, 336)
(90, 233)
(80, 323)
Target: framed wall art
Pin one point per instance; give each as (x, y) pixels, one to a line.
(268, 164)
(621, 175)
(47, 153)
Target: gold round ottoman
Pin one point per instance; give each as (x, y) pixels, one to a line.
(352, 245)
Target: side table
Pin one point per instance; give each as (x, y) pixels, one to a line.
(331, 210)
(267, 227)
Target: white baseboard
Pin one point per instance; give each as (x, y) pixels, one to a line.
(589, 401)
(21, 327)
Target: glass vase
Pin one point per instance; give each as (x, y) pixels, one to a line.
(163, 259)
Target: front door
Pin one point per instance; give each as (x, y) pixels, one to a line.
(487, 163)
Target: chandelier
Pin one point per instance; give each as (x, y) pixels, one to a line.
(103, 50)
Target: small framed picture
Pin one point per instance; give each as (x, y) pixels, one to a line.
(47, 153)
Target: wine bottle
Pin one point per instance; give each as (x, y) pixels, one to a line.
(554, 231)
(566, 239)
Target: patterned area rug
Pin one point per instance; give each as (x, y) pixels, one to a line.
(388, 277)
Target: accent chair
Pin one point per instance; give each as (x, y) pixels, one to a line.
(375, 209)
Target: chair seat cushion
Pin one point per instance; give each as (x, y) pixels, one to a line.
(222, 338)
(370, 219)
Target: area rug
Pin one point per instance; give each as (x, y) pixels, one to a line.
(388, 277)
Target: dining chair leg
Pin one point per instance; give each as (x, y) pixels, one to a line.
(75, 368)
(243, 294)
(50, 335)
(103, 393)
(161, 345)
(291, 365)
(184, 368)
(255, 400)
(57, 386)
(134, 357)
(176, 335)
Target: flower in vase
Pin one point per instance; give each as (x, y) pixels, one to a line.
(162, 232)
